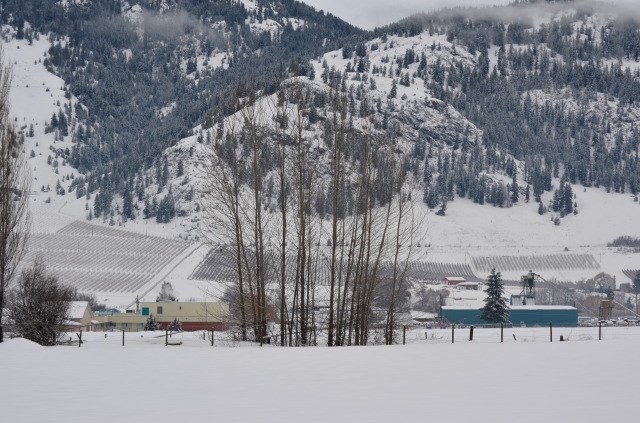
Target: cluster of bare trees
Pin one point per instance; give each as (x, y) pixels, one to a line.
(36, 307)
(39, 305)
(302, 277)
(15, 182)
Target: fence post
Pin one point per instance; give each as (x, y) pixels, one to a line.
(80, 339)
(453, 333)
(166, 337)
(501, 332)
(212, 338)
(470, 333)
(600, 331)
(123, 337)
(404, 335)
(550, 331)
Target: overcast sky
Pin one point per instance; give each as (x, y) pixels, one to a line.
(369, 14)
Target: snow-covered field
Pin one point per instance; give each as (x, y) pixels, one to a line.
(421, 381)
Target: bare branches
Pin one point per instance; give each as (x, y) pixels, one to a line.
(15, 184)
(316, 235)
(39, 305)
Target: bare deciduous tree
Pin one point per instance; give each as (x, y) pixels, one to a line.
(39, 305)
(363, 188)
(14, 192)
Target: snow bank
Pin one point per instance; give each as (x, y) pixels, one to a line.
(18, 346)
(527, 382)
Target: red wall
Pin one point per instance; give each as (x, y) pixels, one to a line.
(195, 326)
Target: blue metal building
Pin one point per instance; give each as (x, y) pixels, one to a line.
(535, 315)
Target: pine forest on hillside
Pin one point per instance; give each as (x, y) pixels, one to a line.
(305, 152)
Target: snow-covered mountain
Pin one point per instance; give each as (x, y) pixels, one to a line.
(474, 101)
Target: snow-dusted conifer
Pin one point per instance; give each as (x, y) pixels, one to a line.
(495, 309)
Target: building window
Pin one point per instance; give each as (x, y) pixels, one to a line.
(159, 309)
(145, 311)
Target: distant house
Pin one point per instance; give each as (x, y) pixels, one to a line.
(469, 286)
(453, 280)
(191, 315)
(423, 317)
(80, 317)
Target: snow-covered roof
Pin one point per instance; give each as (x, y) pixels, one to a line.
(461, 308)
(423, 315)
(77, 309)
(455, 279)
(542, 307)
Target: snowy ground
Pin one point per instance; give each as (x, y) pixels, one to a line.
(421, 381)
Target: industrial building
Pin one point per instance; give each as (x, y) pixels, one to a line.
(529, 315)
(191, 315)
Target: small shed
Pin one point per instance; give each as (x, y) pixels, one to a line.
(423, 317)
(80, 317)
(468, 286)
(453, 280)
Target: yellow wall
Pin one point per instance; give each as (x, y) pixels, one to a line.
(184, 312)
(187, 312)
(130, 322)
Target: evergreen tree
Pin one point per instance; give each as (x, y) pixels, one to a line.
(175, 325)
(180, 168)
(151, 324)
(165, 173)
(167, 294)
(147, 209)
(127, 205)
(394, 90)
(62, 124)
(443, 209)
(20, 31)
(430, 197)
(166, 209)
(321, 204)
(495, 309)
(568, 199)
(515, 190)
